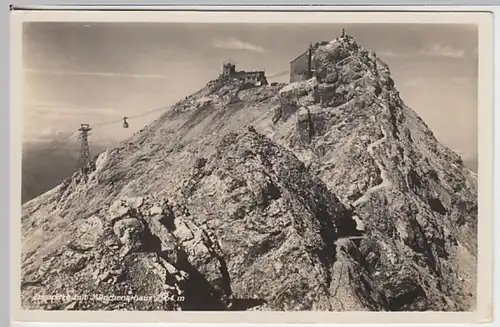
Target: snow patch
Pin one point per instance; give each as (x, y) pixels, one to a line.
(101, 161)
(100, 164)
(360, 225)
(383, 173)
(203, 101)
(182, 231)
(155, 210)
(121, 207)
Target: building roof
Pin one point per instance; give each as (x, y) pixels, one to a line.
(242, 72)
(300, 56)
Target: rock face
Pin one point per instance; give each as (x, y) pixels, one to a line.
(325, 194)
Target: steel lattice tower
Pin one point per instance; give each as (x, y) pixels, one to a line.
(85, 160)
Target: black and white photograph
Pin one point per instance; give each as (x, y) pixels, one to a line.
(249, 166)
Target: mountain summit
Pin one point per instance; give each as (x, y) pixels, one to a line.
(323, 194)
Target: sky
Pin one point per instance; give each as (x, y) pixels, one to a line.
(98, 72)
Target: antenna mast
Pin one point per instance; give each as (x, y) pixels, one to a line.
(85, 160)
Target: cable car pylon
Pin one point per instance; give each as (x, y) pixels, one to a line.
(85, 160)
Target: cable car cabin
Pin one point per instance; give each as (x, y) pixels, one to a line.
(125, 123)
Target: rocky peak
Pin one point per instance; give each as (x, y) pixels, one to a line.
(333, 196)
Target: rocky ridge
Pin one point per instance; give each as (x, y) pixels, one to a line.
(326, 194)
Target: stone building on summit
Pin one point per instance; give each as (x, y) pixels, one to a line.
(252, 77)
(302, 68)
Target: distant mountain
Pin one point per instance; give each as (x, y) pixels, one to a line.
(47, 164)
(471, 163)
(323, 194)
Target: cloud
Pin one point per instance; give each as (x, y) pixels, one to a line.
(59, 109)
(437, 50)
(415, 81)
(418, 81)
(461, 80)
(98, 74)
(235, 44)
(391, 54)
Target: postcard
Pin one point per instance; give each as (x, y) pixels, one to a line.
(265, 166)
